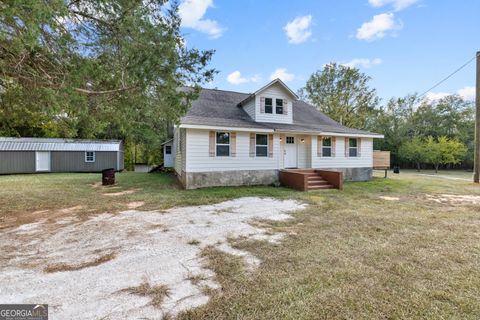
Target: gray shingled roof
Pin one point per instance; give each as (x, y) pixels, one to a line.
(221, 108)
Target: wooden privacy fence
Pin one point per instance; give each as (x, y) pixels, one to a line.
(381, 160)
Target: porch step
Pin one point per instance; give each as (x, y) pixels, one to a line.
(316, 182)
(324, 186)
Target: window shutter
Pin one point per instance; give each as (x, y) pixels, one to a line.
(334, 146)
(233, 144)
(346, 148)
(262, 104)
(270, 145)
(252, 144)
(359, 147)
(319, 146)
(211, 144)
(285, 106)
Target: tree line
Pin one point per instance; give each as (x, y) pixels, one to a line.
(418, 132)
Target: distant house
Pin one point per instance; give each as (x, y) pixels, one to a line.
(28, 155)
(232, 138)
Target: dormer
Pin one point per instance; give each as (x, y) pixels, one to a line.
(272, 103)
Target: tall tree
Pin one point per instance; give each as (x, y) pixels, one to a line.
(343, 93)
(443, 151)
(95, 68)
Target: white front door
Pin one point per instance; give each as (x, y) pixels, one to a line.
(290, 152)
(42, 159)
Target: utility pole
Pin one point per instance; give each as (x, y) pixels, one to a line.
(476, 161)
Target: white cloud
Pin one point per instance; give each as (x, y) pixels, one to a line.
(467, 93)
(435, 96)
(282, 74)
(236, 78)
(378, 27)
(397, 4)
(366, 63)
(192, 11)
(298, 30)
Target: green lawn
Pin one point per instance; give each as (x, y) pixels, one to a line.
(378, 249)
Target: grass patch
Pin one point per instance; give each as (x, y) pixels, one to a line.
(156, 293)
(23, 197)
(60, 267)
(194, 242)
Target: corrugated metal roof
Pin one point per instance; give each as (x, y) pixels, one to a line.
(48, 144)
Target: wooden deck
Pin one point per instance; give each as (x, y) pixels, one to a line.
(311, 179)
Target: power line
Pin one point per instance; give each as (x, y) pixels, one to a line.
(448, 77)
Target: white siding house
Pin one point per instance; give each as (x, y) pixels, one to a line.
(232, 138)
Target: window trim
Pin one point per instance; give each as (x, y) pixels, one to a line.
(327, 147)
(93, 157)
(166, 152)
(261, 145)
(270, 105)
(355, 148)
(277, 106)
(223, 144)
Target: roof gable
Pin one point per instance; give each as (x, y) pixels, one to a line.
(270, 84)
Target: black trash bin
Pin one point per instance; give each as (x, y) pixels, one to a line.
(396, 169)
(108, 176)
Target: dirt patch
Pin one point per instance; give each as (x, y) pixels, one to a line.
(135, 204)
(59, 267)
(387, 198)
(120, 193)
(71, 209)
(164, 247)
(454, 199)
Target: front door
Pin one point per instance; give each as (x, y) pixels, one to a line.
(290, 152)
(42, 159)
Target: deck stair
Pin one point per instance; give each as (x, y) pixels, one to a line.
(316, 182)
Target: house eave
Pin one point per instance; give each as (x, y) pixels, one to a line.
(332, 134)
(207, 127)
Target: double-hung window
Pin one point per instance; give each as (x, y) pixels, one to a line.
(352, 147)
(261, 145)
(223, 144)
(89, 156)
(168, 149)
(327, 147)
(268, 105)
(279, 106)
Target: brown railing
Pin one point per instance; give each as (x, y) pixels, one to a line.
(335, 178)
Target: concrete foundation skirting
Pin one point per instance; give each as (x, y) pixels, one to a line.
(193, 180)
(355, 174)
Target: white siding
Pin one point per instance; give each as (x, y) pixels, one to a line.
(340, 161)
(275, 91)
(250, 108)
(304, 151)
(180, 153)
(198, 159)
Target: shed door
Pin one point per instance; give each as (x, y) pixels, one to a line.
(42, 159)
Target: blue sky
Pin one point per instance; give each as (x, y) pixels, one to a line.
(406, 46)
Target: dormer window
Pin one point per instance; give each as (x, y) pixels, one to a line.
(279, 106)
(268, 105)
